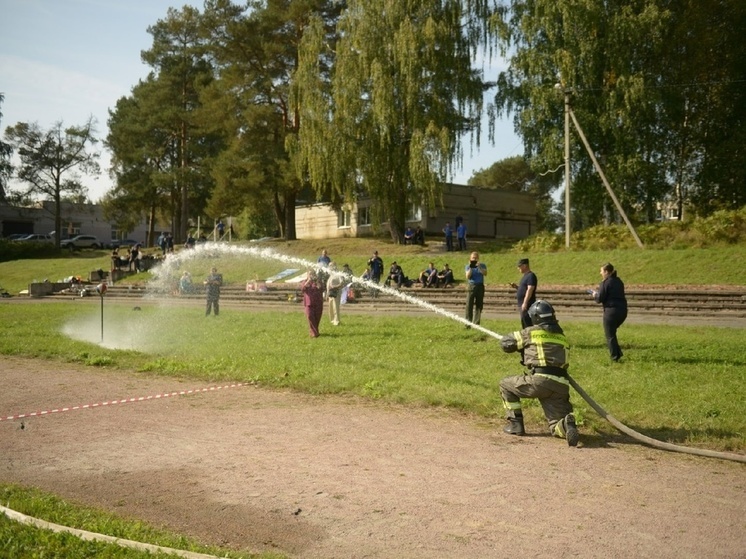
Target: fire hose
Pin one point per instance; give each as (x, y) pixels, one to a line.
(648, 440)
(602, 412)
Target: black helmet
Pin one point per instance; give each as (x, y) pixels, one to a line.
(541, 312)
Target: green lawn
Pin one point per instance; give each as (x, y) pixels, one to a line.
(680, 384)
(695, 266)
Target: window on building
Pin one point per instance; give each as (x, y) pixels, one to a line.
(344, 218)
(364, 216)
(414, 213)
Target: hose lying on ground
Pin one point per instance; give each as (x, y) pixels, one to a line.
(93, 536)
(647, 440)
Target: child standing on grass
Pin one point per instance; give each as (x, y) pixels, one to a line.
(313, 301)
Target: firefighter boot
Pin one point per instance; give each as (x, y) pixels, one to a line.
(516, 425)
(571, 430)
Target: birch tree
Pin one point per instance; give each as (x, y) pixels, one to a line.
(402, 92)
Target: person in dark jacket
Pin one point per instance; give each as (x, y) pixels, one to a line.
(212, 287)
(610, 294)
(525, 291)
(375, 265)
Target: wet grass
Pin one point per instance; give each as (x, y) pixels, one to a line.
(686, 384)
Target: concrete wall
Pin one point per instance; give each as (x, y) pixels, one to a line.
(486, 213)
(320, 221)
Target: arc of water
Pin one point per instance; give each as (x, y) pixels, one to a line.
(173, 262)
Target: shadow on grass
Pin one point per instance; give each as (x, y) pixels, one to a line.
(601, 438)
(681, 360)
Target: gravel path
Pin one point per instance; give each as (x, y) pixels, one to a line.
(332, 477)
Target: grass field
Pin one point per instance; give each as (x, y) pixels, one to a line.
(681, 384)
(702, 266)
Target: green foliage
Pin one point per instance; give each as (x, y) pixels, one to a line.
(665, 121)
(161, 154)
(50, 160)
(6, 167)
(402, 92)
(725, 227)
(10, 250)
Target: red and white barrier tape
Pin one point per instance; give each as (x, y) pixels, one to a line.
(123, 401)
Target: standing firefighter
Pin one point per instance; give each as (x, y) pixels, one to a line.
(545, 353)
(212, 287)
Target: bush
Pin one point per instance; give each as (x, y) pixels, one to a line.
(11, 250)
(720, 228)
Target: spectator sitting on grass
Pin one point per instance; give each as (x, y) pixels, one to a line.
(396, 275)
(445, 277)
(429, 276)
(185, 283)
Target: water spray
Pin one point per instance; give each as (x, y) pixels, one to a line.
(215, 249)
(170, 266)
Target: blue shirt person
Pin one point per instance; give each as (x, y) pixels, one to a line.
(475, 272)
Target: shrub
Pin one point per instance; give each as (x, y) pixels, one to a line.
(720, 228)
(11, 250)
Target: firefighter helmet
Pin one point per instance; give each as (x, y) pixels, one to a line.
(541, 312)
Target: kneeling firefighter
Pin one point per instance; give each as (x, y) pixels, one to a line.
(545, 353)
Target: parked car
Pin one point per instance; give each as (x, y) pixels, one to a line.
(16, 236)
(124, 243)
(81, 241)
(37, 238)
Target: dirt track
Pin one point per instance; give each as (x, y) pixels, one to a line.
(343, 478)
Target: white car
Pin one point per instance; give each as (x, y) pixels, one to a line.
(37, 238)
(81, 241)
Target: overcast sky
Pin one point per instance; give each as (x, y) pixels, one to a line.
(65, 60)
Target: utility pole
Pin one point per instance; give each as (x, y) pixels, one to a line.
(568, 115)
(568, 230)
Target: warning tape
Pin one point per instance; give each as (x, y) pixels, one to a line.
(123, 401)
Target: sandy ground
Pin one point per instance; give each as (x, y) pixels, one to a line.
(245, 467)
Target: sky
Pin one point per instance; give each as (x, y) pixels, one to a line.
(67, 60)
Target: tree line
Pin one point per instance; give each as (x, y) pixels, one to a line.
(249, 109)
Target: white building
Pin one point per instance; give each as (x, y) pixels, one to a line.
(486, 213)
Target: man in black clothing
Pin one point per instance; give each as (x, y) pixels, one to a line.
(445, 277)
(611, 295)
(526, 291)
(396, 275)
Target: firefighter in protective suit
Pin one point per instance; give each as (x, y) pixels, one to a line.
(545, 354)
